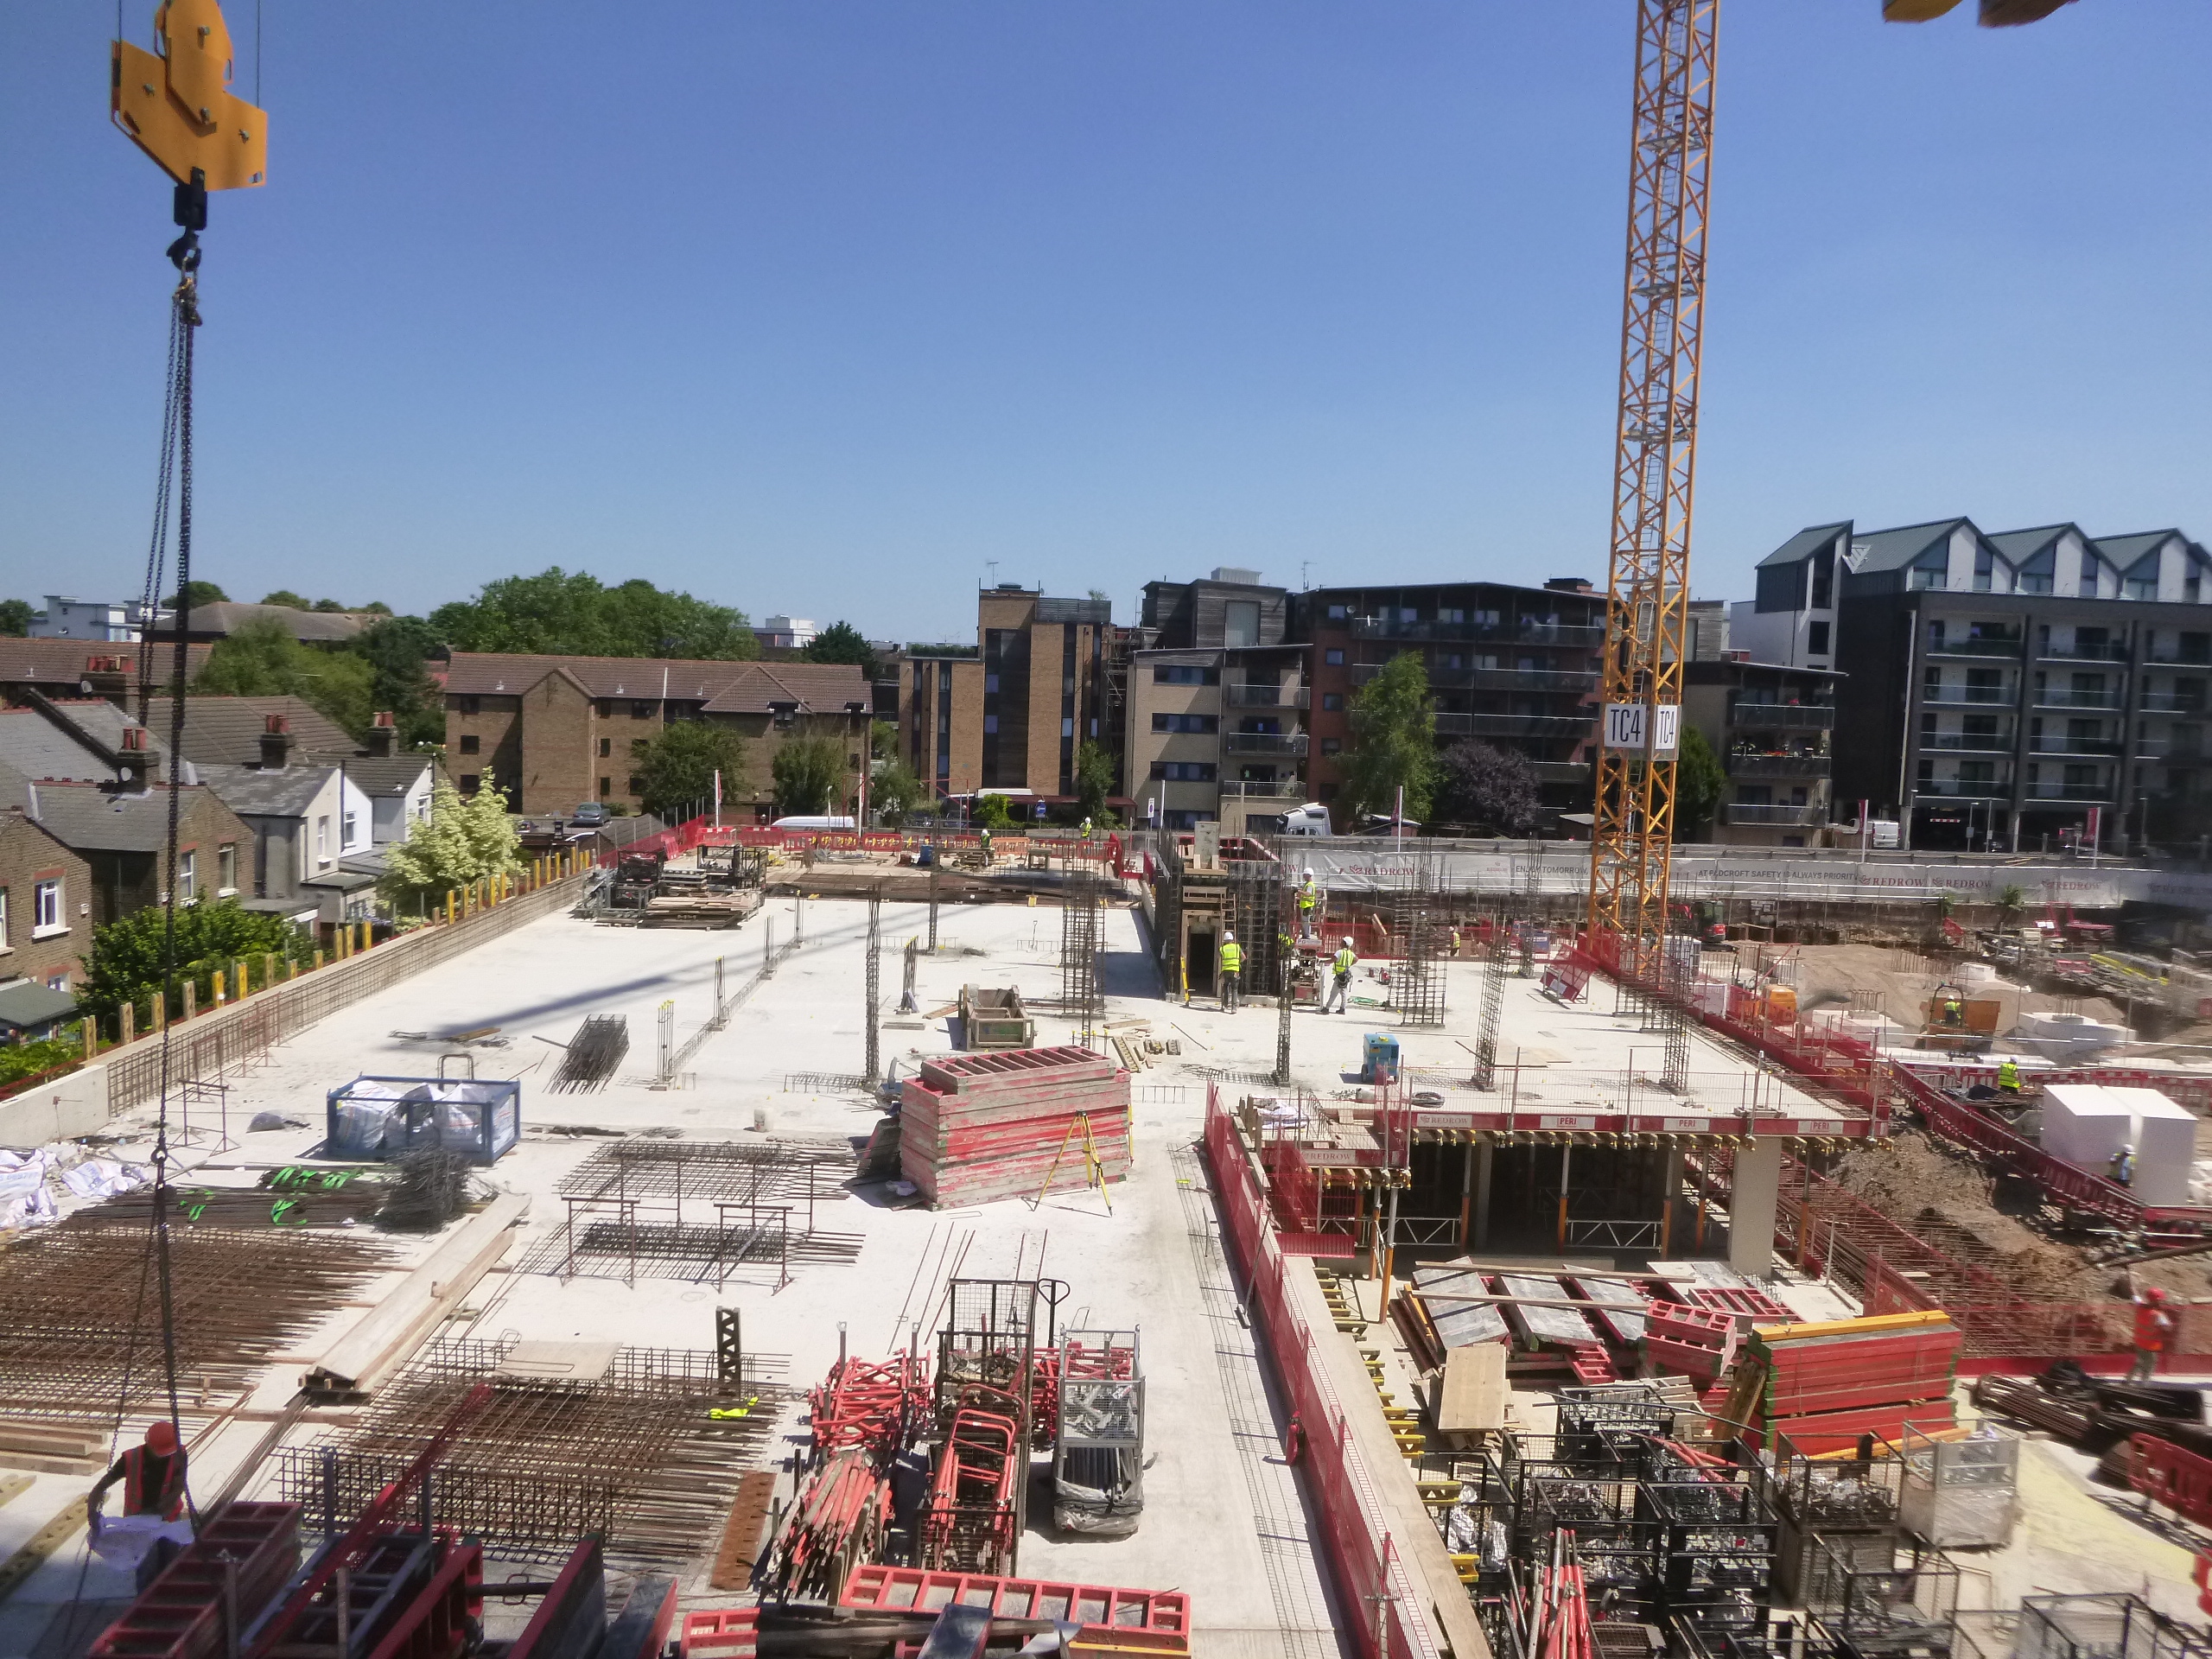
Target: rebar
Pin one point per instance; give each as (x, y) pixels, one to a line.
(874, 992)
(1485, 1076)
(431, 1189)
(1418, 980)
(1080, 902)
(1284, 998)
(593, 1053)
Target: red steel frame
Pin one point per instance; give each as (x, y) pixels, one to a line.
(967, 1524)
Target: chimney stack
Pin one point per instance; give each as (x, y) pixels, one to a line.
(134, 739)
(276, 742)
(384, 736)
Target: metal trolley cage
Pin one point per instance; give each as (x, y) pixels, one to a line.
(1098, 1447)
(2118, 1626)
(1717, 1546)
(1851, 1502)
(1879, 1606)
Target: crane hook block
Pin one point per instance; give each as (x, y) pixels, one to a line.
(174, 105)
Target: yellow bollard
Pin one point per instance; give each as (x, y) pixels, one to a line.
(127, 1023)
(268, 970)
(364, 928)
(191, 995)
(92, 1037)
(318, 955)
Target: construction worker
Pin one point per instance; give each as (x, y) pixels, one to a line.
(1955, 1010)
(1230, 964)
(1455, 941)
(2123, 1166)
(1293, 1440)
(2154, 1329)
(152, 1475)
(2008, 1077)
(1309, 897)
(1340, 987)
(1086, 828)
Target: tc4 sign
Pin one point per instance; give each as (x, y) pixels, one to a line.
(1637, 726)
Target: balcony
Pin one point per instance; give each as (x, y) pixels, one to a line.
(1959, 696)
(1290, 743)
(1965, 646)
(1954, 789)
(2069, 791)
(1562, 771)
(2113, 651)
(2174, 702)
(2078, 699)
(1788, 716)
(1778, 765)
(1580, 681)
(1533, 633)
(1969, 742)
(2179, 657)
(1738, 813)
(1567, 729)
(2074, 745)
(2172, 753)
(1281, 788)
(1266, 693)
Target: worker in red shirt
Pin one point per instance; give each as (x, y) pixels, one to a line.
(152, 1475)
(2154, 1330)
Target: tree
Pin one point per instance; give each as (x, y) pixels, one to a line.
(286, 597)
(127, 960)
(1393, 741)
(463, 840)
(883, 739)
(262, 660)
(1480, 783)
(1095, 778)
(1701, 782)
(840, 642)
(809, 776)
(991, 812)
(203, 593)
(677, 768)
(15, 617)
(577, 615)
(397, 650)
(895, 791)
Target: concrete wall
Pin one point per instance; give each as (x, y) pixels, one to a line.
(60, 1110)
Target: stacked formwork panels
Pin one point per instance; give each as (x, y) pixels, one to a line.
(978, 1128)
(230, 1572)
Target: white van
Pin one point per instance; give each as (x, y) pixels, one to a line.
(817, 823)
(1311, 819)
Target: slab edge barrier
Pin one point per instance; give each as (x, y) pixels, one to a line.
(1366, 1568)
(226, 1039)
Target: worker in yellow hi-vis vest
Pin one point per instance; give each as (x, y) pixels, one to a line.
(1229, 966)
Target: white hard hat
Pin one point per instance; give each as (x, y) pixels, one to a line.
(1228, 938)
(1347, 940)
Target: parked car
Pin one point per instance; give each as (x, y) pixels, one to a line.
(590, 816)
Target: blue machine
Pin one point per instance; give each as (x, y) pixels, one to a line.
(1378, 1058)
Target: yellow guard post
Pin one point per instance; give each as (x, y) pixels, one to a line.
(174, 106)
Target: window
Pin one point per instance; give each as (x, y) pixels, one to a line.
(1816, 639)
(322, 840)
(58, 981)
(1240, 622)
(990, 683)
(1183, 771)
(1985, 570)
(46, 909)
(605, 787)
(637, 784)
(469, 783)
(4, 945)
(2191, 590)
(1188, 723)
(349, 823)
(641, 709)
(1334, 657)
(2142, 588)
(1332, 746)
(1984, 685)
(1340, 613)
(470, 705)
(943, 765)
(2088, 588)
(188, 877)
(991, 725)
(1925, 576)
(1451, 615)
(638, 746)
(227, 867)
(606, 747)
(1333, 701)
(605, 708)
(1067, 726)
(1184, 674)
(468, 743)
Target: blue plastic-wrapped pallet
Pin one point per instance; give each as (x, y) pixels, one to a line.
(377, 1119)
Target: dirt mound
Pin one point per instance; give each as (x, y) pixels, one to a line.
(1911, 1175)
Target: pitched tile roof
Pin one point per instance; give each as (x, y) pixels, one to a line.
(1805, 543)
(37, 745)
(84, 817)
(723, 687)
(310, 627)
(227, 731)
(250, 792)
(61, 662)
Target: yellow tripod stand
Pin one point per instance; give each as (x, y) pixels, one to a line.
(1092, 1167)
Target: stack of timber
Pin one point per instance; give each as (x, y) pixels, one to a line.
(52, 1448)
(977, 1127)
(1823, 1385)
(700, 907)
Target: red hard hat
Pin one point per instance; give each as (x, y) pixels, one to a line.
(2155, 1293)
(161, 1437)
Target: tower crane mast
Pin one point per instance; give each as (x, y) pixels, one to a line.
(1647, 589)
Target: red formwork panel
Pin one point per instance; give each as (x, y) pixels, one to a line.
(440, 1621)
(2171, 1475)
(1741, 1300)
(179, 1616)
(725, 1633)
(1834, 1431)
(914, 1590)
(971, 1073)
(1689, 1340)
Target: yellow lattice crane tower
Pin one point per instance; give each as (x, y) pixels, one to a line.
(1654, 470)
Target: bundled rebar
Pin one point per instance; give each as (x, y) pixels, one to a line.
(593, 1053)
(430, 1189)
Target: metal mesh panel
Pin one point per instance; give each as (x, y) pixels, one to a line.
(1080, 912)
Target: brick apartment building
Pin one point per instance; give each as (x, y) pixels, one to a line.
(554, 732)
(1043, 681)
(1515, 666)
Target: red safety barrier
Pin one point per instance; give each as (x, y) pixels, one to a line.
(915, 1590)
(2171, 1475)
(1355, 1535)
(726, 1633)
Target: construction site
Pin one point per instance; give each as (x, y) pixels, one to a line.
(819, 1239)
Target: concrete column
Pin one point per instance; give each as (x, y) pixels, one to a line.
(1752, 1200)
(1670, 1188)
(1485, 1153)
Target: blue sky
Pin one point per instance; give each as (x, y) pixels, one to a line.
(822, 307)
